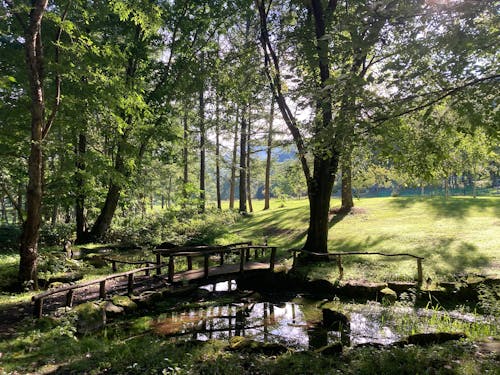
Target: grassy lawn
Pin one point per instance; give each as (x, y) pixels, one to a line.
(456, 236)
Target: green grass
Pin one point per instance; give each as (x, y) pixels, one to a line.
(457, 235)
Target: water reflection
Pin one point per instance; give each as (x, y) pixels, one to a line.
(283, 323)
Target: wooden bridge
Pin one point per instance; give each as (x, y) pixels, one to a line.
(217, 265)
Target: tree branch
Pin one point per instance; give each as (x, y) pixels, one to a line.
(445, 94)
(12, 200)
(275, 84)
(57, 100)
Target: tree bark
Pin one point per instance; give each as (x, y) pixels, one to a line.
(243, 161)
(185, 157)
(81, 229)
(267, 184)
(249, 190)
(202, 149)
(34, 59)
(103, 221)
(347, 201)
(217, 154)
(232, 182)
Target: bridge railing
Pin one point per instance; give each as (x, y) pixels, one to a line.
(338, 257)
(241, 248)
(39, 298)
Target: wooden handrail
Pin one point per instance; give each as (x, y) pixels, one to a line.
(353, 253)
(38, 299)
(338, 256)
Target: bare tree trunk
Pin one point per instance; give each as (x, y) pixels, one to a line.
(347, 201)
(232, 186)
(202, 149)
(243, 162)
(249, 190)
(20, 194)
(4, 211)
(34, 59)
(267, 184)
(217, 154)
(185, 157)
(81, 229)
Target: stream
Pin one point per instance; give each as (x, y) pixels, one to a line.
(299, 323)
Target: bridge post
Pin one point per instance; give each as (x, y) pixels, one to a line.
(420, 277)
(113, 265)
(158, 262)
(102, 289)
(170, 268)
(190, 263)
(69, 298)
(242, 259)
(205, 266)
(130, 284)
(273, 258)
(37, 312)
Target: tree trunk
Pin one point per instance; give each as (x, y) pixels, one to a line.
(103, 221)
(267, 184)
(217, 154)
(232, 182)
(81, 229)
(249, 190)
(202, 150)
(347, 201)
(20, 218)
(243, 162)
(185, 158)
(319, 194)
(34, 59)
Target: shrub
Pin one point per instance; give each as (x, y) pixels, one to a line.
(9, 238)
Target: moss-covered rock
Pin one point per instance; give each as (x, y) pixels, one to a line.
(91, 317)
(125, 302)
(388, 296)
(112, 309)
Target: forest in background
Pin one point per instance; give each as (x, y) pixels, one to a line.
(135, 105)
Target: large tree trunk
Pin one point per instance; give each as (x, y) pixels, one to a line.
(201, 208)
(319, 193)
(267, 184)
(243, 162)
(34, 59)
(81, 230)
(232, 182)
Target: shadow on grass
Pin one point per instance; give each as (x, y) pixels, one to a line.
(457, 208)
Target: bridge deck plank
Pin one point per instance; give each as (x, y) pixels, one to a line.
(225, 269)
